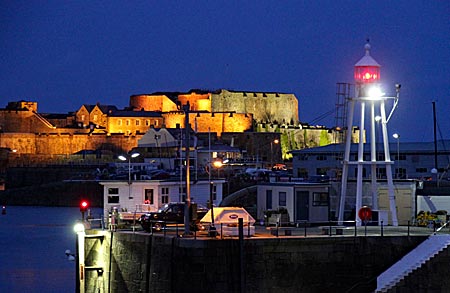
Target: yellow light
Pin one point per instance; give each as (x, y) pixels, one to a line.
(217, 164)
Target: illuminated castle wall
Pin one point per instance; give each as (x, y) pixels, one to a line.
(97, 127)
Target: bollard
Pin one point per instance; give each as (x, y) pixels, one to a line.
(329, 231)
(382, 229)
(356, 227)
(305, 230)
(408, 228)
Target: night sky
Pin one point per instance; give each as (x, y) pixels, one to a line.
(66, 53)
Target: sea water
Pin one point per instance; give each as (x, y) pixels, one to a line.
(33, 241)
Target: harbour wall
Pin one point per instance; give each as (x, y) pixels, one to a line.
(139, 262)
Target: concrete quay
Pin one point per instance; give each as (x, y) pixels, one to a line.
(137, 261)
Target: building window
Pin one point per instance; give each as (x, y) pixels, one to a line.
(147, 122)
(381, 173)
(156, 123)
(119, 122)
(138, 122)
(148, 196)
(321, 158)
(321, 171)
(401, 157)
(214, 191)
(282, 198)
(421, 170)
(302, 173)
(303, 157)
(95, 117)
(380, 157)
(113, 195)
(127, 122)
(364, 172)
(82, 117)
(182, 192)
(268, 199)
(400, 173)
(164, 195)
(320, 198)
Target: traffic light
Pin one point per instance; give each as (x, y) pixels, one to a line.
(83, 206)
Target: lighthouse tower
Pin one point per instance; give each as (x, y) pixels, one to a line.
(367, 77)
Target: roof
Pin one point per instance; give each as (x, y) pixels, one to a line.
(124, 113)
(218, 148)
(404, 147)
(367, 60)
(103, 108)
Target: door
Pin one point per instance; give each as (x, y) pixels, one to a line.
(302, 206)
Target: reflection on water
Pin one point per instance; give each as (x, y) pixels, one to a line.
(33, 241)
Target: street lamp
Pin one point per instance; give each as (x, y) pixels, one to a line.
(129, 157)
(397, 137)
(275, 141)
(80, 229)
(216, 164)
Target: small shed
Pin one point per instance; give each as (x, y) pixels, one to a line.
(226, 220)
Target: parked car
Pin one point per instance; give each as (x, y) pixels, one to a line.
(172, 213)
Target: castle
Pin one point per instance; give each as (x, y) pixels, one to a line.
(105, 129)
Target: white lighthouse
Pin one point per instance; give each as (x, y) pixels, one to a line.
(368, 92)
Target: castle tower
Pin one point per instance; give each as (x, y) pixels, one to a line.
(367, 77)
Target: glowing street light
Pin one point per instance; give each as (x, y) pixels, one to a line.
(129, 157)
(216, 164)
(80, 229)
(275, 141)
(397, 137)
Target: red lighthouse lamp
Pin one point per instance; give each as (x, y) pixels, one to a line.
(367, 70)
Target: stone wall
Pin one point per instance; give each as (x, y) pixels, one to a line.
(265, 107)
(66, 143)
(139, 262)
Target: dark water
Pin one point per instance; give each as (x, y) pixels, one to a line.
(33, 241)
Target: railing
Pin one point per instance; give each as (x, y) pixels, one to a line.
(300, 229)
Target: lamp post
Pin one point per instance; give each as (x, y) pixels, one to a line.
(397, 137)
(79, 228)
(129, 157)
(216, 164)
(275, 141)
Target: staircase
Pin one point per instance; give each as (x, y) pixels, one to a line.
(43, 120)
(413, 260)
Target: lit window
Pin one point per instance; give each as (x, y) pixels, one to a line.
(119, 122)
(147, 122)
(148, 196)
(127, 122)
(95, 117)
(138, 122)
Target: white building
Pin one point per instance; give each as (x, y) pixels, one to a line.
(303, 201)
(150, 195)
(412, 160)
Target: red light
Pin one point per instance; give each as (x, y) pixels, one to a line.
(83, 206)
(367, 74)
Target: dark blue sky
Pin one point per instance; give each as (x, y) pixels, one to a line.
(66, 53)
